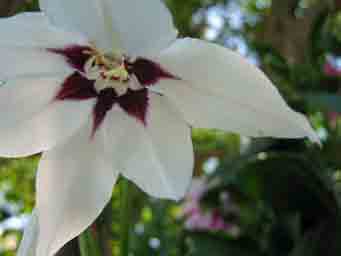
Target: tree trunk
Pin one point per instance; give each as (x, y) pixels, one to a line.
(288, 33)
(9, 7)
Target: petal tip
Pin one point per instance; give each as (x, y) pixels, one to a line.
(310, 133)
(314, 138)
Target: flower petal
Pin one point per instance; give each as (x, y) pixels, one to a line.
(219, 89)
(138, 27)
(28, 243)
(145, 26)
(25, 40)
(28, 61)
(31, 122)
(74, 184)
(34, 30)
(89, 17)
(158, 157)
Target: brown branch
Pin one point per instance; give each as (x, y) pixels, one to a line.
(337, 4)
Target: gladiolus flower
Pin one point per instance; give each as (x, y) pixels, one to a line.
(104, 87)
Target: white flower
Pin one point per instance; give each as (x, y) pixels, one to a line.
(103, 88)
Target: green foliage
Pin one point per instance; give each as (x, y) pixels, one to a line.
(204, 244)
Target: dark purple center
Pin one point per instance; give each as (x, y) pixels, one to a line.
(134, 103)
(148, 72)
(75, 55)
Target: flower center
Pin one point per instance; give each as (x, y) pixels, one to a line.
(112, 79)
(110, 71)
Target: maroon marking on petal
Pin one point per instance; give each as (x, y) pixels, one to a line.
(135, 103)
(76, 87)
(106, 100)
(148, 72)
(75, 55)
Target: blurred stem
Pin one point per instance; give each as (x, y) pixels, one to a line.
(104, 230)
(160, 209)
(126, 215)
(88, 244)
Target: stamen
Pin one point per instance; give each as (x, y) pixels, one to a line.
(120, 73)
(108, 71)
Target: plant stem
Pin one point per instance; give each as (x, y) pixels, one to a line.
(83, 245)
(125, 217)
(88, 245)
(104, 230)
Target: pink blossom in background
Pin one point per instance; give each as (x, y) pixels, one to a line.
(198, 219)
(192, 203)
(330, 70)
(332, 67)
(333, 117)
(218, 222)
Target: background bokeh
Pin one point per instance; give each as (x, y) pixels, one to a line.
(250, 197)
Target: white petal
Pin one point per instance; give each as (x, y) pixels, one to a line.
(145, 26)
(31, 122)
(89, 17)
(24, 41)
(27, 61)
(219, 89)
(34, 30)
(138, 27)
(22, 97)
(73, 186)
(158, 157)
(28, 243)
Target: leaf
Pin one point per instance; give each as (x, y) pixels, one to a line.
(282, 197)
(324, 240)
(88, 245)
